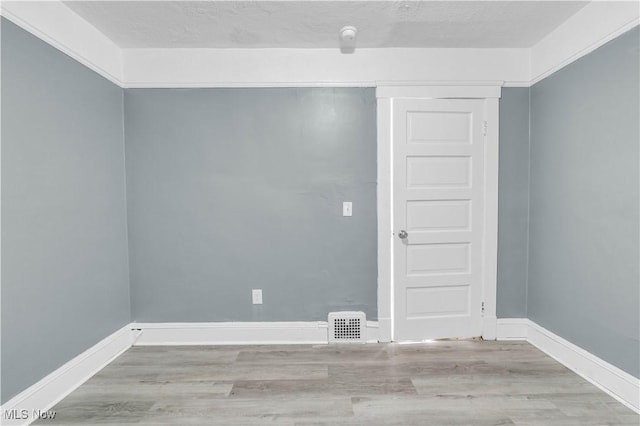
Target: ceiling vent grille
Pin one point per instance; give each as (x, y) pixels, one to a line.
(347, 327)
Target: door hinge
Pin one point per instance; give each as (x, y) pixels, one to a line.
(484, 128)
(483, 307)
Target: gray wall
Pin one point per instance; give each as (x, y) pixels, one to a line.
(64, 247)
(513, 207)
(234, 189)
(584, 226)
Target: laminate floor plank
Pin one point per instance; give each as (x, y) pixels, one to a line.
(337, 355)
(245, 372)
(466, 382)
(154, 391)
(224, 412)
(500, 385)
(136, 357)
(310, 388)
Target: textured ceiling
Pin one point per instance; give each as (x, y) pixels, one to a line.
(315, 24)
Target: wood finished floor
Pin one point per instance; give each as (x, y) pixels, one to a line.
(439, 383)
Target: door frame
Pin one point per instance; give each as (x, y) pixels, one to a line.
(490, 92)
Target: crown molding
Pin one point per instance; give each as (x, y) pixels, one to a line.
(52, 21)
(591, 27)
(327, 67)
(57, 25)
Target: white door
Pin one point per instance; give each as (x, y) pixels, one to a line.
(438, 149)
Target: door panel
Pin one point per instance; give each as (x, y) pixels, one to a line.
(430, 302)
(438, 215)
(438, 148)
(434, 127)
(429, 259)
(437, 171)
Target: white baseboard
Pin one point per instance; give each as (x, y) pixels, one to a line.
(512, 329)
(47, 392)
(239, 333)
(41, 396)
(54, 387)
(617, 383)
(230, 333)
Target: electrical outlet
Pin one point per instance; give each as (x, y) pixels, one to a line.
(256, 296)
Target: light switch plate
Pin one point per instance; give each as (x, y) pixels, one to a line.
(347, 208)
(256, 296)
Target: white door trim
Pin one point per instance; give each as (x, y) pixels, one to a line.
(442, 90)
(490, 246)
(491, 94)
(385, 219)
